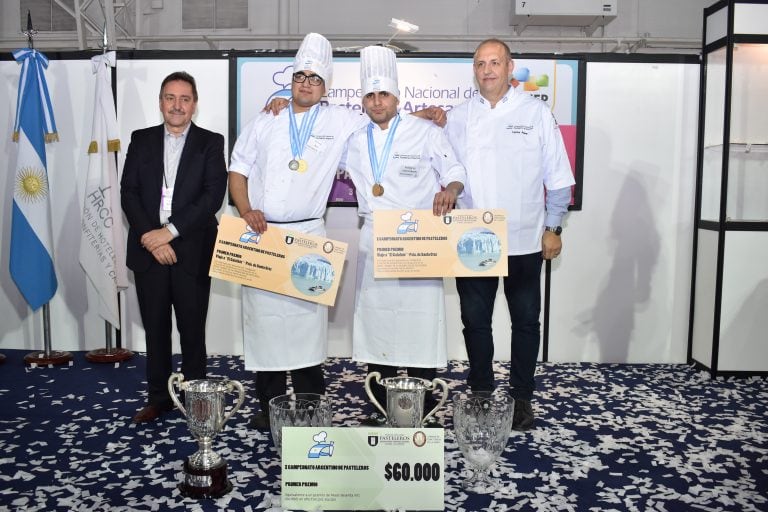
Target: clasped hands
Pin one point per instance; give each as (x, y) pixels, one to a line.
(158, 243)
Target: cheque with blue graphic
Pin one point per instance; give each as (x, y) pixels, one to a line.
(279, 260)
(416, 243)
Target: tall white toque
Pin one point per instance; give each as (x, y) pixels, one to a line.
(378, 70)
(315, 54)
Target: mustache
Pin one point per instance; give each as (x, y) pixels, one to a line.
(176, 111)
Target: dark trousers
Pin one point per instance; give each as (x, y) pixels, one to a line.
(272, 384)
(522, 288)
(161, 290)
(380, 392)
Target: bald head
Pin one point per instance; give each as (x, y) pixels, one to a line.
(498, 43)
(493, 65)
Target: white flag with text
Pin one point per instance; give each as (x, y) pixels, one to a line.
(102, 246)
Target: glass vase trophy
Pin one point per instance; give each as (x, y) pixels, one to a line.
(205, 471)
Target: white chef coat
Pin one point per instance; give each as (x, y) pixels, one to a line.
(511, 152)
(399, 322)
(280, 332)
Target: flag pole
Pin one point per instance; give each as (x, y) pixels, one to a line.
(109, 354)
(47, 356)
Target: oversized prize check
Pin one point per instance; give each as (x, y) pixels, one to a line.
(416, 243)
(342, 468)
(279, 260)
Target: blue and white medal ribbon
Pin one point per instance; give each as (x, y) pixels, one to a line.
(300, 136)
(378, 165)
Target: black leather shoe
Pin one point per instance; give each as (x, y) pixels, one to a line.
(374, 420)
(523, 418)
(259, 421)
(150, 412)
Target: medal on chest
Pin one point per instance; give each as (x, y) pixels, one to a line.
(299, 165)
(299, 137)
(379, 165)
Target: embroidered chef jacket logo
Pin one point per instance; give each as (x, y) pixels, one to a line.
(520, 128)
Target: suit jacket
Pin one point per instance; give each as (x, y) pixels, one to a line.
(201, 182)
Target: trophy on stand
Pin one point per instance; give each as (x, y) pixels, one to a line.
(405, 399)
(205, 472)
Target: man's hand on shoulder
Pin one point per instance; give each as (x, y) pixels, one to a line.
(432, 113)
(275, 105)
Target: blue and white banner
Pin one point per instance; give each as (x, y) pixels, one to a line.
(102, 246)
(31, 261)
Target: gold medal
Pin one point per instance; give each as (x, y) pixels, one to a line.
(303, 166)
(293, 165)
(378, 190)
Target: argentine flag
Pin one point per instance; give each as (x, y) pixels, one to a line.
(31, 236)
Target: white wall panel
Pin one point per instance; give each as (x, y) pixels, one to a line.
(743, 322)
(704, 303)
(620, 290)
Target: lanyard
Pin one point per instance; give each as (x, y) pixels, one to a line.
(379, 165)
(300, 135)
(172, 148)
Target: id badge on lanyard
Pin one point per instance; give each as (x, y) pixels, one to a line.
(166, 198)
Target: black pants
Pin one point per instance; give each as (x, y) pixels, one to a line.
(522, 289)
(163, 290)
(272, 384)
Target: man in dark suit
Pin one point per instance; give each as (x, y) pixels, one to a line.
(174, 180)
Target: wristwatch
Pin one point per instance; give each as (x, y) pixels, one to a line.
(556, 230)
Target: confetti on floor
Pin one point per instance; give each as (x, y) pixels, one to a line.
(608, 437)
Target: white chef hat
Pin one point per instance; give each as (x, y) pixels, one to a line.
(378, 70)
(315, 54)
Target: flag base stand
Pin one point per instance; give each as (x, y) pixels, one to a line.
(54, 357)
(47, 356)
(108, 355)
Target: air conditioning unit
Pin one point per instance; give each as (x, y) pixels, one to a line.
(588, 14)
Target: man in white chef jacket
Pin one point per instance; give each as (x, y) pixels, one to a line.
(513, 151)
(397, 162)
(281, 172)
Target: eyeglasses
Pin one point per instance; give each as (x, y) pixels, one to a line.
(300, 78)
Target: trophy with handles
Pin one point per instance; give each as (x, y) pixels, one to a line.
(405, 399)
(205, 472)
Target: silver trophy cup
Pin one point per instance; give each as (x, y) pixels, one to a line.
(405, 399)
(205, 472)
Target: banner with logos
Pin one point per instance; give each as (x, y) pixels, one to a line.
(424, 81)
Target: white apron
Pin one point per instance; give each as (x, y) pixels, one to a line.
(398, 322)
(280, 332)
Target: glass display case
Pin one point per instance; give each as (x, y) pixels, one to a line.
(729, 290)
